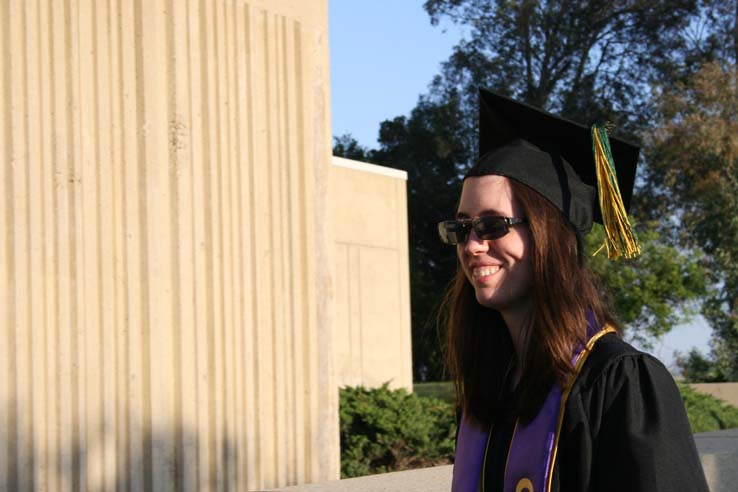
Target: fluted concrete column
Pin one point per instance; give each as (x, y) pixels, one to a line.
(166, 308)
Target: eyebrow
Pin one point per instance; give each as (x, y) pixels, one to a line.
(484, 213)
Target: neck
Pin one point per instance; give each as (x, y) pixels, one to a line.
(517, 321)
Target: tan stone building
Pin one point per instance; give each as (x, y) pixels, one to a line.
(372, 286)
(167, 255)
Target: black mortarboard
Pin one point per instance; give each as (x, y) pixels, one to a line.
(555, 157)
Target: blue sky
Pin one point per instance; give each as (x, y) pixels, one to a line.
(383, 55)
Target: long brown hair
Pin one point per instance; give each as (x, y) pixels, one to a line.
(480, 350)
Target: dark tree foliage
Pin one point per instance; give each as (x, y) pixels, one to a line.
(346, 146)
(588, 61)
(696, 368)
(710, 37)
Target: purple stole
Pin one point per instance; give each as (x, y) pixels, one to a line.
(533, 448)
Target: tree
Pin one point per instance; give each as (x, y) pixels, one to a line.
(693, 155)
(696, 368)
(346, 146)
(589, 61)
(652, 293)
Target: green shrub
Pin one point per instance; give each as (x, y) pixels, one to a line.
(387, 430)
(707, 413)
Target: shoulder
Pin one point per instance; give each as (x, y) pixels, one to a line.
(625, 426)
(614, 359)
(619, 382)
(616, 373)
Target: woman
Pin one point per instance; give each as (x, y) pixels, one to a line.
(552, 399)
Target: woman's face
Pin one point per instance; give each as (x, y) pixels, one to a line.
(499, 269)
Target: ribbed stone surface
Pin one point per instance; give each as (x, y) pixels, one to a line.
(166, 290)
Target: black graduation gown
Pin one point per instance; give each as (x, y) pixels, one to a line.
(625, 429)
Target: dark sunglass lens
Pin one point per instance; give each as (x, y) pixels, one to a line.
(491, 227)
(452, 232)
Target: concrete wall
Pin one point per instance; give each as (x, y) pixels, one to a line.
(728, 392)
(372, 324)
(167, 301)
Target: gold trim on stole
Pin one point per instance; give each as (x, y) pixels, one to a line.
(580, 362)
(484, 462)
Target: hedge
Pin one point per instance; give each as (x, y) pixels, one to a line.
(386, 430)
(707, 413)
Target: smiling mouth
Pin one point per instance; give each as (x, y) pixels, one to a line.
(485, 271)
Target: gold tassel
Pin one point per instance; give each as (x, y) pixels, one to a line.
(621, 239)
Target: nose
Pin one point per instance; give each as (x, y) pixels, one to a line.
(474, 245)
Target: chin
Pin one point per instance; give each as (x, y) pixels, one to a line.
(500, 301)
(488, 301)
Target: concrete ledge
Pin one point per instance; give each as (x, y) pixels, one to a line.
(718, 454)
(369, 168)
(436, 479)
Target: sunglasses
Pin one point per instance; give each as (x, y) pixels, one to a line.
(457, 231)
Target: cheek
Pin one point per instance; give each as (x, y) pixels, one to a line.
(514, 248)
(520, 256)
(525, 247)
(526, 261)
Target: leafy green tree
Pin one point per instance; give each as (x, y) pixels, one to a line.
(693, 172)
(652, 293)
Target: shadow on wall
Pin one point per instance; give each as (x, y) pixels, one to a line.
(162, 459)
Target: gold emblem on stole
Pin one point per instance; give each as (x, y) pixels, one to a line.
(524, 485)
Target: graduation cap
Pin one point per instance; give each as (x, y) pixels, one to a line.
(580, 170)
